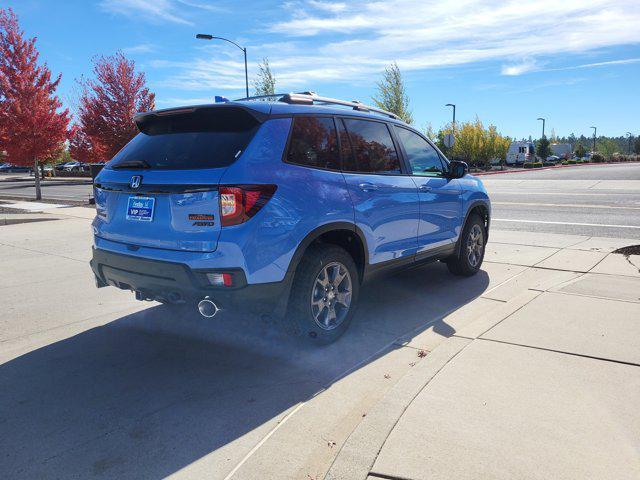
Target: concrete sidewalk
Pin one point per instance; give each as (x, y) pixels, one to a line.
(527, 370)
(545, 386)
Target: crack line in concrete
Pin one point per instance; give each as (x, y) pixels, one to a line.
(562, 352)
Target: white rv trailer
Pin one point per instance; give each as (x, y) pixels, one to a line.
(520, 152)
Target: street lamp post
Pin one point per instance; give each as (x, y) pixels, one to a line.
(595, 130)
(630, 136)
(454, 115)
(205, 36)
(543, 121)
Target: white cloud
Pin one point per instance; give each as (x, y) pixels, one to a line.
(334, 7)
(423, 34)
(148, 10)
(315, 41)
(624, 61)
(532, 66)
(525, 66)
(141, 48)
(202, 5)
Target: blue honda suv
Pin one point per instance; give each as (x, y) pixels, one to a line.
(282, 206)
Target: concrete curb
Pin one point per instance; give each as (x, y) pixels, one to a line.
(521, 170)
(358, 454)
(360, 451)
(71, 201)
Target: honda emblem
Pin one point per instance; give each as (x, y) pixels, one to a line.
(135, 182)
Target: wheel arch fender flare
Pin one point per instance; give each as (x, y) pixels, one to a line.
(316, 233)
(484, 203)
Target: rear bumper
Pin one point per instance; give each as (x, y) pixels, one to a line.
(177, 283)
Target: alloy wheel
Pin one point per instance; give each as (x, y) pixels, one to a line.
(475, 245)
(331, 296)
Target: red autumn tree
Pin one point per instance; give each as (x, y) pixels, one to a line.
(108, 103)
(82, 149)
(33, 126)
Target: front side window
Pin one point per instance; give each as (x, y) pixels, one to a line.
(373, 147)
(314, 143)
(423, 158)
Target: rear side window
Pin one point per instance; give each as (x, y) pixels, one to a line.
(314, 143)
(373, 147)
(192, 140)
(423, 158)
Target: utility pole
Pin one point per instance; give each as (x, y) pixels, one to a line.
(543, 121)
(206, 36)
(454, 115)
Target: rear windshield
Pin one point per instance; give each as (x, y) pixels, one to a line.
(201, 139)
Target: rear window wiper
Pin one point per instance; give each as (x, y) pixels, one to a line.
(132, 164)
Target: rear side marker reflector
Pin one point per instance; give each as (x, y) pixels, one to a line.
(239, 203)
(220, 279)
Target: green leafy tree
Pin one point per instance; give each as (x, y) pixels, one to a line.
(580, 151)
(607, 146)
(429, 132)
(501, 148)
(265, 83)
(392, 95)
(474, 143)
(543, 149)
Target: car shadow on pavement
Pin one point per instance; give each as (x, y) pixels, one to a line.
(150, 393)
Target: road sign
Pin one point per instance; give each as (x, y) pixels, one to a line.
(449, 140)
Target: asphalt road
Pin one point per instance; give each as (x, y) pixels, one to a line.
(602, 200)
(595, 200)
(20, 186)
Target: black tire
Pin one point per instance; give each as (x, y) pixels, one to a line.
(464, 263)
(306, 287)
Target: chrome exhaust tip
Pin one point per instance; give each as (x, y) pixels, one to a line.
(207, 308)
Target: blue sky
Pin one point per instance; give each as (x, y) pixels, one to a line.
(577, 63)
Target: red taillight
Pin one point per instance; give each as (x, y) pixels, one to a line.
(239, 203)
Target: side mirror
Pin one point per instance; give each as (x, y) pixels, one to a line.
(458, 169)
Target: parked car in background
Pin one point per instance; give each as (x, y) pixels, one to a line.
(10, 168)
(304, 199)
(76, 166)
(60, 166)
(553, 159)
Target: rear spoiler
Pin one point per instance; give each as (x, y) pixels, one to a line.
(260, 112)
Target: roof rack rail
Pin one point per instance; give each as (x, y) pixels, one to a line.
(309, 98)
(261, 97)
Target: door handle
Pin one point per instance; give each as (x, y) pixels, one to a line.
(424, 188)
(368, 187)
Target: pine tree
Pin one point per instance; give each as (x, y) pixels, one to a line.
(265, 83)
(391, 95)
(33, 127)
(543, 149)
